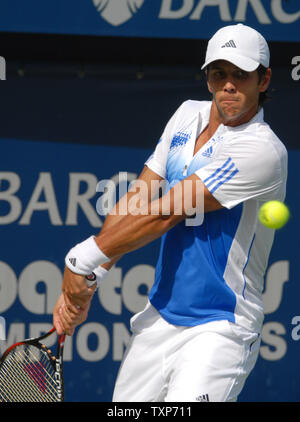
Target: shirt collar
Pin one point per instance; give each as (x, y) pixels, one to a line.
(257, 118)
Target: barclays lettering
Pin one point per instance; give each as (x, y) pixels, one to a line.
(117, 13)
(195, 8)
(273, 16)
(43, 198)
(276, 19)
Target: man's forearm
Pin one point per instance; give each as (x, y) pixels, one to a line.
(134, 231)
(118, 219)
(109, 222)
(185, 199)
(154, 219)
(114, 218)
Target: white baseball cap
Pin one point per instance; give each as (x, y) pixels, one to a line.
(238, 44)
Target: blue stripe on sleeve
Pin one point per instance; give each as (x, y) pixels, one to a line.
(221, 176)
(233, 173)
(217, 171)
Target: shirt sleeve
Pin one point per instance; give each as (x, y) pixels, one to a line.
(244, 169)
(158, 159)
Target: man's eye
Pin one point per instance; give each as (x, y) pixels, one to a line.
(241, 74)
(218, 74)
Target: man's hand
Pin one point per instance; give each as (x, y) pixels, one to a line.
(76, 291)
(73, 304)
(66, 318)
(57, 323)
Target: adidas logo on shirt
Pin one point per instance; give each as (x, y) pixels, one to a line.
(230, 44)
(73, 261)
(208, 152)
(203, 398)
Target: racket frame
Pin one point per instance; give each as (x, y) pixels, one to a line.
(56, 361)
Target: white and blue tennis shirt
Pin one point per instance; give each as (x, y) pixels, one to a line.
(215, 271)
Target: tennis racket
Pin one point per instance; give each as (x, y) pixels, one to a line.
(29, 372)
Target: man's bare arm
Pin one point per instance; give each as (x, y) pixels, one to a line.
(76, 298)
(117, 214)
(135, 231)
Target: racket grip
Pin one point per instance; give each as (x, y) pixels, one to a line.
(91, 279)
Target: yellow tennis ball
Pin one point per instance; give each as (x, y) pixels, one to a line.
(274, 214)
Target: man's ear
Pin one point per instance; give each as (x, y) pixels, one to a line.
(207, 81)
(209, 87)
(265, 82)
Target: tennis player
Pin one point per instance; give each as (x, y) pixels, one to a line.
(199, 336)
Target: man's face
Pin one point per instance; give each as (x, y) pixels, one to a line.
(235, 92)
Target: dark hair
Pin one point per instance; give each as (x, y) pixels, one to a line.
(263, 96)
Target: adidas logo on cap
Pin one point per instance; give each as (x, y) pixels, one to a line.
(230, 43)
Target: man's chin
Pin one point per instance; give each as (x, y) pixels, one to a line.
(230, 117)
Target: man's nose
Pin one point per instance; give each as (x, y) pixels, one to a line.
(229, 87)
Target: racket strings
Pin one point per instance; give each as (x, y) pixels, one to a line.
(27, 375)
(22, 384)
(39, 369)
(26, 378)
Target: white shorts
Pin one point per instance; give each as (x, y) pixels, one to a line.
(163, 362)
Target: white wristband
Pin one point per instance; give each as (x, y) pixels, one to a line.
(97, 275)
(85, 257)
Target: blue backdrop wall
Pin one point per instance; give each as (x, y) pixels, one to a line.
(277, 19)
(59, 138)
